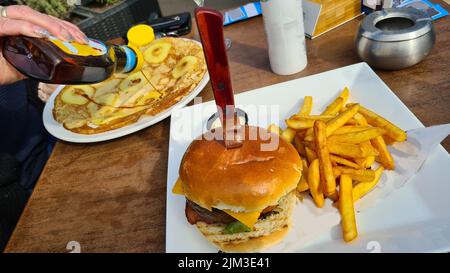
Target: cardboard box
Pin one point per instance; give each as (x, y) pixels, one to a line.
(321, 16)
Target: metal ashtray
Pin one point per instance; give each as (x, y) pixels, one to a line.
(395, 38)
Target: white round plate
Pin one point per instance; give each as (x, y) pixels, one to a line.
(57, 130)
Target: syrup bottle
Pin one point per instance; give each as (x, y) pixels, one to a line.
(53, 61)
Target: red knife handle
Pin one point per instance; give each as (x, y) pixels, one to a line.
(210, 27)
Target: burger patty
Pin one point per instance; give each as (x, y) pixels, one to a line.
(195, 213)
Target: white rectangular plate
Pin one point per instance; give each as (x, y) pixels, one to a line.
(414, 218)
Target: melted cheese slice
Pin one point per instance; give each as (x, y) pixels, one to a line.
(178, 187)
(247, 218)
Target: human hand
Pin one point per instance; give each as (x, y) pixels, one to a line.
(22, 20)
(45, 90)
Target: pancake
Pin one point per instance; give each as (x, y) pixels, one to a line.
(173, 67)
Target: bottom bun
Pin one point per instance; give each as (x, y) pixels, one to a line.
(255, 244)
(266, 232)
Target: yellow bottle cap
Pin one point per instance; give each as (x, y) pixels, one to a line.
(139, 57)
(140, 35)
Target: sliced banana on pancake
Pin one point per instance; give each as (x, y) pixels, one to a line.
(75, 94)
(157, 52)
(74, 123)
(108, 99)
(102, 114)
(92, 107)
(186, 64)
(133, 82)
(106, 86)
(149, 96)
(108, 114)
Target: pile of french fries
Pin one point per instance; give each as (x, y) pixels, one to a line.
(339, 148)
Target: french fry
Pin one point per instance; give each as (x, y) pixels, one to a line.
(351, 121)
(299, 146)
(298, 124)
(310, 154)
(361, 175)
(367, 161)
(288, 134)
(345, 94)
(336, 173)
(388, 140)
(335, 123)
(369, 150)
(384, 156)
(338, 104)
(312, 117)
(326, 170)
(356, 137)
(346, 209)
(341, 119)
(334, 107)
(360, 119)
(273, 128)
(305, 165)
(307, 106)
(350, 129)
(309, 136)
(310, 144)
(362, 189)
(301, 133)
(362, 162)
(376, 120)
(314, 183)
(350, 150)
(343, 161)
(303, 184)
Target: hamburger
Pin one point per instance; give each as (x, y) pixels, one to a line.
(240, 199)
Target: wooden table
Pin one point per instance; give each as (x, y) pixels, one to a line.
(111, 196)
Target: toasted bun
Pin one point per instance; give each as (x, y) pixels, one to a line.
(266, 232)
(255, 244)
(244, 179)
